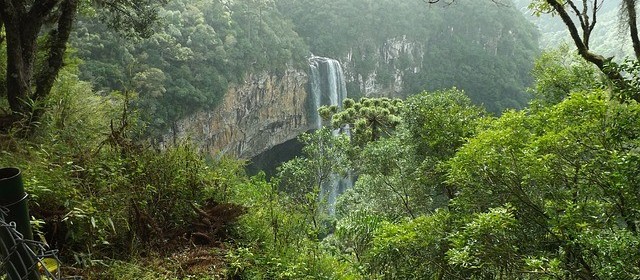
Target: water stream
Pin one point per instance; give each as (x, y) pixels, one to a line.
(328, 87)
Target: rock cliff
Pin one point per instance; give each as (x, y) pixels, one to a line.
(264, 111)
(390, 63)
(267, 109)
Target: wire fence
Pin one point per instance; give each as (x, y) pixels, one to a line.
(22, 259)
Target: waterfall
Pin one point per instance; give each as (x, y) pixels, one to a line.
(316, 93)
(328, 87)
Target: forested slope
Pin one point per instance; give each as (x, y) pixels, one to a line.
(201, 47)
(483, 48)
(191, 58)
(443, 188)
(608, 36)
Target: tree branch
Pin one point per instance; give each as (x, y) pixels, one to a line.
(577, 11)
(583, 17)
(596, 7)
(403, 197)
(59, 38)
(583, 49)
(573, 31)
(41, 8)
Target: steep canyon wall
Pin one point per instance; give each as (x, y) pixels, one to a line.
(269, 109)
(264, 111)
(382, 71)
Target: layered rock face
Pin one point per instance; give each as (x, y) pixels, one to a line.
(264, 111)
(269, 109)
(393, 60)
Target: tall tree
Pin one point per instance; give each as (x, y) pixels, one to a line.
(586, 17)
(580, 18)
(42, 28)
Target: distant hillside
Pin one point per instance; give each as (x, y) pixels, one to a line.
(607, 39)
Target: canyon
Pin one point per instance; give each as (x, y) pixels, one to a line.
(268, 109)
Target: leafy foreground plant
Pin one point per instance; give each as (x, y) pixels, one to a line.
(288, 217)
(115, 207)
(537, 196)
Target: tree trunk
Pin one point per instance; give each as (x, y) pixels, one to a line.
(21, 49)
(612, 74)
(57, 47)
(630, 9)
(25, 89)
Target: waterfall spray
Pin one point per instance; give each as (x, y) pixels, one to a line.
(328, 87)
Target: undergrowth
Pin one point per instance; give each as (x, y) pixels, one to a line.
(117, 207)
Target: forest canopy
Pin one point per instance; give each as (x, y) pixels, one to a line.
(438, 186)
(205, 46)
(483, 48)
(191, 59)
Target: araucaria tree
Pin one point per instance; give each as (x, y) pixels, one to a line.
(36, 33)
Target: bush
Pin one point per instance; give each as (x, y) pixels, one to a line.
(104, 194)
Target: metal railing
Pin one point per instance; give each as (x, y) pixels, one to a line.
(22, 259)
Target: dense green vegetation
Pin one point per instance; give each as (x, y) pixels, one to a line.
(99, 196)
(190, 60)
(203, 47)
(34, 44)
(549, 192)
(486, 51)
(443, 189)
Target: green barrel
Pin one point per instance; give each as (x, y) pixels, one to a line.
(22, 263)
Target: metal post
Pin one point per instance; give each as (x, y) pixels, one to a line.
(21, 262)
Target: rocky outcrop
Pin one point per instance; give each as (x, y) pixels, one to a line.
(264, 111)
(269, 109)
(392, 60)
